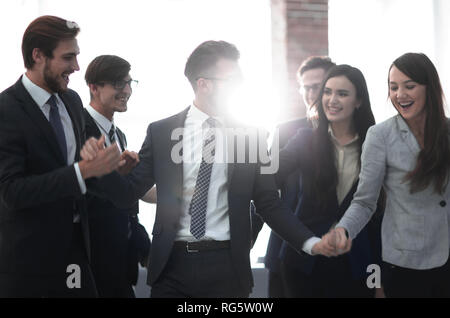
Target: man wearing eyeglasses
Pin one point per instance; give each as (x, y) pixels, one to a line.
(118, 240)
(202, 234)
(309, 76)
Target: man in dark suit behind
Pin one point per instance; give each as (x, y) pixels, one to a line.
(44, 236)
(118, 240)
(202, 233)
(309, 76)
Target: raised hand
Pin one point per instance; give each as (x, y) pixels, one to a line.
(131, 160)
(103, 160)
(91, 147)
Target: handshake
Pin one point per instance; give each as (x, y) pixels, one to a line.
(98, 160)
(334, 243)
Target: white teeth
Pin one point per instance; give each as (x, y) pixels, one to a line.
(406, 104)
(334, 109)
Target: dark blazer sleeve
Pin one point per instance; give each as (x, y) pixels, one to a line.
(18, 189)
(292, 156)
(287, 166)
(279, 217)
(125, 191)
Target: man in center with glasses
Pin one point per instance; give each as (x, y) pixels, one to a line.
(118, 240)
(309, 76)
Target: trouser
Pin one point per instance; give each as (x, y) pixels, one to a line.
(202, 274)
(404, 282)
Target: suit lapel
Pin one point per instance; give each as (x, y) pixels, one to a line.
(75, 122)
(38, 117)
(175, 170)
(122, 139)
(92, 129)
(231, 149)
(407, 136)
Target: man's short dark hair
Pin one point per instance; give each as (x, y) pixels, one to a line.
(205, 57)
(45, 33)
(313, 62)
(107, 68)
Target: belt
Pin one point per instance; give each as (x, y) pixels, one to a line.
(201, 246)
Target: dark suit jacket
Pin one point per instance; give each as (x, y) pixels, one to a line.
(290, 193)
(365, 248)
(245, 182)
(115, 257)
(39, 193)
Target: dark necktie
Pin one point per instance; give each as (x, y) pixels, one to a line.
(55, 122)
(112, 134)
(197, 208)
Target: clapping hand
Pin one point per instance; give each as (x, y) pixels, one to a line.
(131, 160)
(98, 160)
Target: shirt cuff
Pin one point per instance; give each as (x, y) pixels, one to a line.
(309, 244)
(80, 178)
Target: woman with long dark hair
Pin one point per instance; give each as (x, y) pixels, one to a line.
(409, 155)
(329, 160)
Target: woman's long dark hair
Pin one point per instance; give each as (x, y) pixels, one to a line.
(433, 162)
(325, 177)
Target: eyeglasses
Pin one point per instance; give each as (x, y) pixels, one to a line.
(120, 85)
(234, 79)
(307, 88)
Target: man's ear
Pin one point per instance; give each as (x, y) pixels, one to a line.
(93, 88)
(38, 56)
(203, 85)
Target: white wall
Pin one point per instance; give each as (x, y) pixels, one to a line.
(371, 34)
(156, 37)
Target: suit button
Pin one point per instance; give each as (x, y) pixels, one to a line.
(442, 203)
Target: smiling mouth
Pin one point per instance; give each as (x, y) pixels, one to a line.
(123, 99)
(65, 77)
(406, 105)
(334, 110)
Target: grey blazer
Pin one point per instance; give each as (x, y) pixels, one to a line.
(415, 228)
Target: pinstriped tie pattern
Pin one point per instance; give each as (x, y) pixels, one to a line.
(197, 208)
(111, 134)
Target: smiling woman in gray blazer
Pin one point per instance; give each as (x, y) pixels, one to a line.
(409, 155)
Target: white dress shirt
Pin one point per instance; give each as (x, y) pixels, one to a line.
(104, 124)
(217, 218)
(347, 163)
(41, 96)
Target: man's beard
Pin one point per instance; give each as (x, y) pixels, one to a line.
(51, 80)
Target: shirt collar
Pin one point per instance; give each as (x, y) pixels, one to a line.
(199, 117)
(39, 95)
(335, 141)
(101, 120)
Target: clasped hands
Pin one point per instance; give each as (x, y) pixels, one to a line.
(99, 160)
(334, 243)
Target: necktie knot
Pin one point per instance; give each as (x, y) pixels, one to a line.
(52, 101)
(212, 123)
